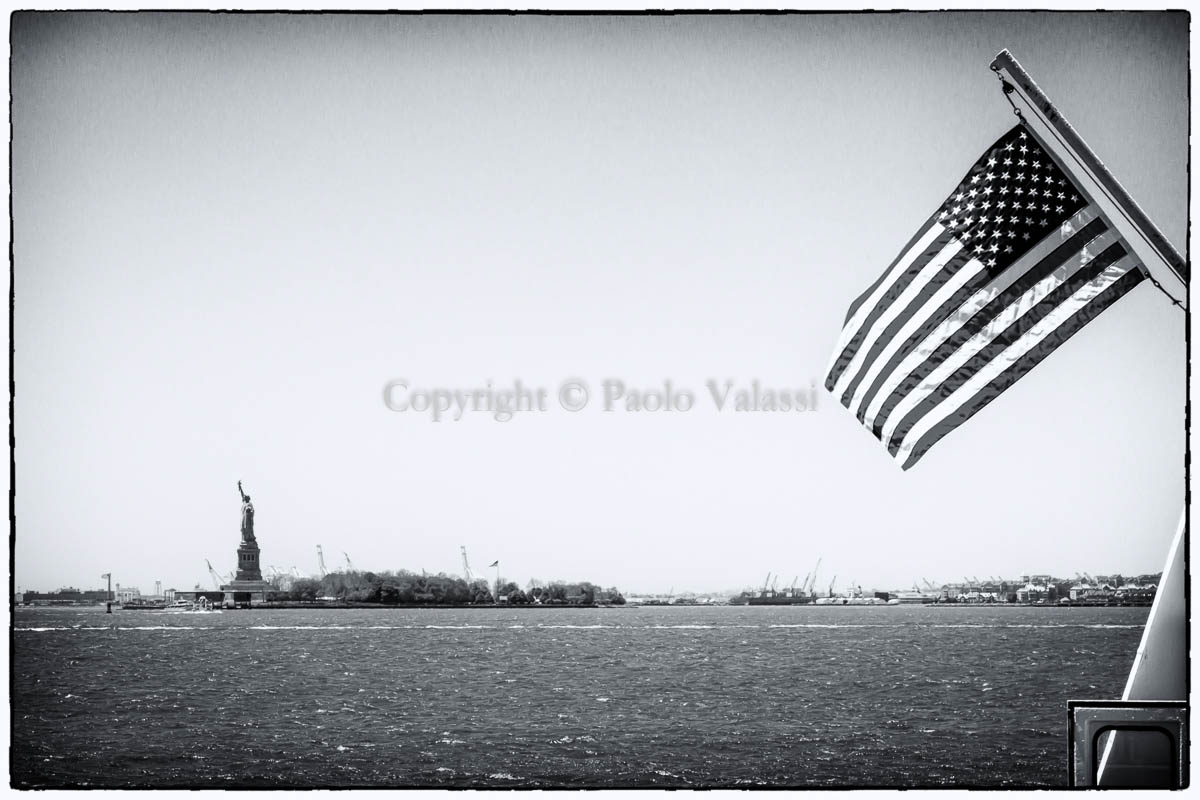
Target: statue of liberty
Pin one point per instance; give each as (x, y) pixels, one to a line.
(247, 517)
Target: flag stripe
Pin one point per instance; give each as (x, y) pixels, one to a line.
(1019, 318)
(892, 383)
(902, 312)
(1023, 282)
(935, 328)
(898, 278)
(1117, 281)
(858, 301)
(996, 323)
(925, 276)
(959, 284)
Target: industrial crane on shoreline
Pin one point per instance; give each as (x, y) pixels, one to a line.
(217, 578)
(466, 566)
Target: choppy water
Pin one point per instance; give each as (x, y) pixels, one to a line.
(559, 697)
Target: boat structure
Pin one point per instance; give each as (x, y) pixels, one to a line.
(201, 606)
(770, 595)
(139, 604)
(784, 598)
(917, 596)
(852, 596)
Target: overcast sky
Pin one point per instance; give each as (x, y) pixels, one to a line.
(232, 231)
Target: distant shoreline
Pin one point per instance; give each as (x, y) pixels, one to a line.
(409, 606)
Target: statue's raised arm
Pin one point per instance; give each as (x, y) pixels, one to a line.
(247, 516)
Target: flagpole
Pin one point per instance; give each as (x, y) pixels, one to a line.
(1164, 264)
(1160, 666)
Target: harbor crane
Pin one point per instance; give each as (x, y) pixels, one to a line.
(813, 586)
(832, 583)
(280, 578)
(767, 583)
(321, 561)
(466, 566)
(792, 590)
(804, 586)
(349, 564)
(217, 578)
(774, 583)
(928, 585)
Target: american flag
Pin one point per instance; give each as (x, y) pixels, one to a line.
(1006, 270)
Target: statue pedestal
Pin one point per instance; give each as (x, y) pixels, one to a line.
(248, 588)
(245, 594)
(248, 568)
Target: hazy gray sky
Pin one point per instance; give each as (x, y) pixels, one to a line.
(232, 231)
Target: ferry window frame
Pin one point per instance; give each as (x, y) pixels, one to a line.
(1174, 713)
(1143, 727)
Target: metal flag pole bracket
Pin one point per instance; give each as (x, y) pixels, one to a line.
(1160, 261)
(1008, 89)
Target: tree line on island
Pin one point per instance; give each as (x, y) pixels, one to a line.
(409, 588)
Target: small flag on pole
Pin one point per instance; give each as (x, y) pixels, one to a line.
(1012, 265)
(493, 564)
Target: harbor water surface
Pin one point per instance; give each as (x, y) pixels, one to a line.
(651, 696)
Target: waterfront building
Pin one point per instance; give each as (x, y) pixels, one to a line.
(1033, 593)
(68, 596)
(124, 594)
(1136, 595)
